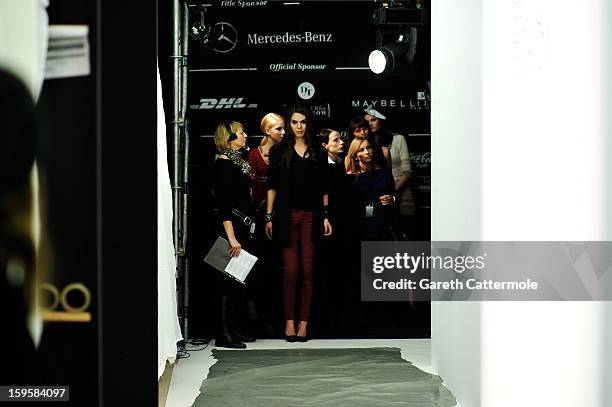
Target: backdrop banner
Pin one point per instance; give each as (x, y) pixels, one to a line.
(302, 53)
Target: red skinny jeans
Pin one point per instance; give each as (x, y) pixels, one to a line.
(300, 247)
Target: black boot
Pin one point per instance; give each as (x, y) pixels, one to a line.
(240, 337)
(225, 339)
(237, 307)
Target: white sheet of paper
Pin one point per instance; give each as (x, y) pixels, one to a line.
(241, 265)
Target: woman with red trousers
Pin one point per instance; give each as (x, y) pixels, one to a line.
(296, 215)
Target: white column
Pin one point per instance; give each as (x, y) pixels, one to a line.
(456, 129)
(543, 137)
(543, 178)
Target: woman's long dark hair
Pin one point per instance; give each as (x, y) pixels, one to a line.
(285, 146)
(383, 136)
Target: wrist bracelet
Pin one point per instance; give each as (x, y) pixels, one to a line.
(269, 217)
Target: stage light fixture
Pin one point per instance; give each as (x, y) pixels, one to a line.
(396, 55)
(377, 61)
(388, 58)
(199, 31)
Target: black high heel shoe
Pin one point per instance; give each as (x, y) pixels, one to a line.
(299, 338)
(290, 338)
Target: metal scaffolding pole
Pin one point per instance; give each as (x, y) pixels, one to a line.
(183, 85)
(176, 169)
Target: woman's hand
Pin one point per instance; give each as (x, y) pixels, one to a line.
(269, 230)
(385, 200)
(234, 250)
(327, 228)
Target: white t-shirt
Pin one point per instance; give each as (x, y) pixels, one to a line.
(400, 164)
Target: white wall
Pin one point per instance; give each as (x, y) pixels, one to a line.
(606, 370)
(606, 377)
(543, 172)
(23, 40)
(456, 131)
(544, 175)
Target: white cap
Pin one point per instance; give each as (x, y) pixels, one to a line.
(373, 112)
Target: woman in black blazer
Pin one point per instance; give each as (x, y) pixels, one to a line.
(231, 182)
(297, 212)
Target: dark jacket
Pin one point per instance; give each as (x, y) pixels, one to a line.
(343, 202)
(232, 190)
(369, 186)
(280, 178)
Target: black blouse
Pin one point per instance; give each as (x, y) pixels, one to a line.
(232, 189)
(302, 185)
(303, 179)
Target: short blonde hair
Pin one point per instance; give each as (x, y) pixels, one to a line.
(349, 160)
(266, 123)
(222, 134)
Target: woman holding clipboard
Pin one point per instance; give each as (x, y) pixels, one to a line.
(231, 183)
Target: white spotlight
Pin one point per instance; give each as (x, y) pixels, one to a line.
(377, 61)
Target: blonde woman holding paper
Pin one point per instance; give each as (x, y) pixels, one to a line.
(231, 183)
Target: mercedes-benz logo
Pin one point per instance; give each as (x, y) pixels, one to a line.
(225, 35)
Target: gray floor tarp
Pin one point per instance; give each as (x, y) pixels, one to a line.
(320, 377)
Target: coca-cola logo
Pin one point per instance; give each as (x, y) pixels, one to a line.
(421, 160)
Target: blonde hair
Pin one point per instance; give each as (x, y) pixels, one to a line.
(349, 160)
(266, 122)
(222, 134)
